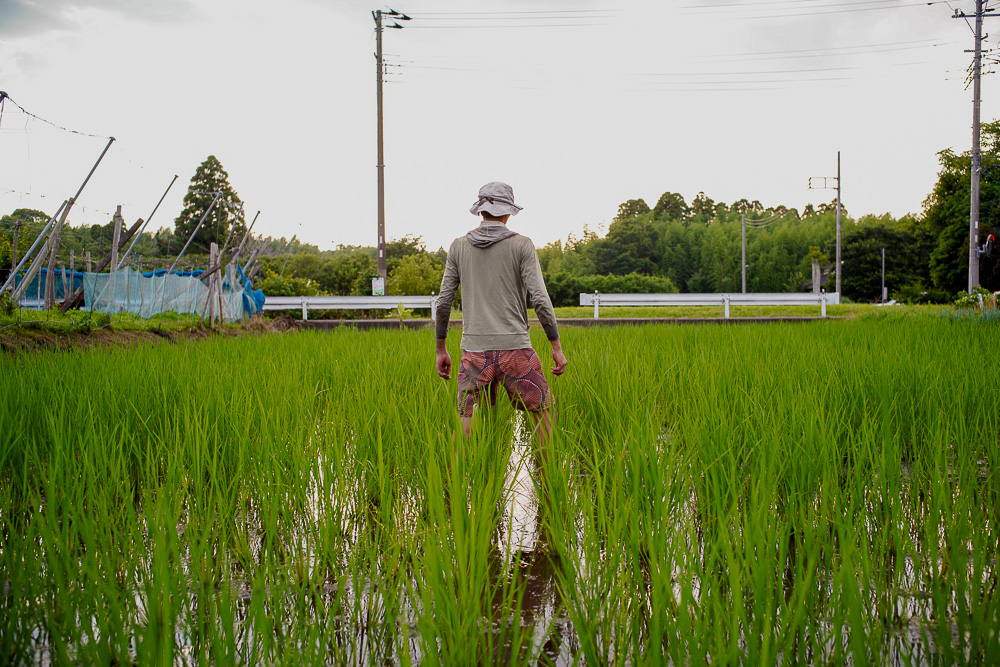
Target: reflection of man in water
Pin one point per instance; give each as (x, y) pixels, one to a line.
(497, 269)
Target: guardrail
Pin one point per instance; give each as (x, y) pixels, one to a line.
(348, 303)
(759, 299)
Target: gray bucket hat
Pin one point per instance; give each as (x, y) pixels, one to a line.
(497, 199)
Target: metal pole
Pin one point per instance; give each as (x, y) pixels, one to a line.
(65, 208)
(882, 296)
(143, 228)
(976, 156)
(380, 166)
(13, 250)
(72, 201)
(191, 238)
(840, 266)
(232, 228)
(743, 263)
(37, 263)
(239, 249)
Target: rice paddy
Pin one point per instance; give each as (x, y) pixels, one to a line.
(819, 493)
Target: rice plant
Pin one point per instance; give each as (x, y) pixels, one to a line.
(747, 494)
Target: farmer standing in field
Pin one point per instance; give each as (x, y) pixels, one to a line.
(496, 269)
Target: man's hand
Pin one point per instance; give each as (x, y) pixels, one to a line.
(558, 359)
(443, 360)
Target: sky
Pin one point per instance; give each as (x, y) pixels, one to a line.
(579, 105)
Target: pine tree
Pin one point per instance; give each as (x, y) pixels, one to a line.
(209, 178)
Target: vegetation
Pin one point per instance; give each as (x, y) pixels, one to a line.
(817, 494)
(675, 246)
(223, 219)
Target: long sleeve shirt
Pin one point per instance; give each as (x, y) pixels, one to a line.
(496, 269)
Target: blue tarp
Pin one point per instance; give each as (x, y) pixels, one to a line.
(253, 300)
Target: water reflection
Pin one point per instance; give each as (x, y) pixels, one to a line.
(368, 605)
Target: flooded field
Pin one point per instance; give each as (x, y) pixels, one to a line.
(822, 493)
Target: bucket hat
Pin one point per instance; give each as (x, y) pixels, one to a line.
(497, 199)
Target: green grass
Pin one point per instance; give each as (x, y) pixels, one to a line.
(713, 311)
(824, 493)
(81, 321)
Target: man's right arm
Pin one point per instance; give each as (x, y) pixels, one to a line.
(449, 285)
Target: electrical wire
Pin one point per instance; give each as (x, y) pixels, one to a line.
(808, 10)
(48, 122)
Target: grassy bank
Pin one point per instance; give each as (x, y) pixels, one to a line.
(818, 493)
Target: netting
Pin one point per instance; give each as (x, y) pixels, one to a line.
(34, 293)
(182, 292)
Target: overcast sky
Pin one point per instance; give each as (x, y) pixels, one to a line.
(578, 105)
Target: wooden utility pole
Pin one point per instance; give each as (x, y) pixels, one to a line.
(380, 166)
(50, 282)
(116, 238)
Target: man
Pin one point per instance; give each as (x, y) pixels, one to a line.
(496, 269)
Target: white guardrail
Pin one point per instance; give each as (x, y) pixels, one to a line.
(348, 303)
(760, 299)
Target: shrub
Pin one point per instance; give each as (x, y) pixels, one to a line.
(565, 289)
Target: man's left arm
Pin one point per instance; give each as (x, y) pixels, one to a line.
(531, 274)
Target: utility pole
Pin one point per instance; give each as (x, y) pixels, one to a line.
(840, 264)
(839, 267)
(977, 159)
(743, 236)
(380, 166)
(882, 296)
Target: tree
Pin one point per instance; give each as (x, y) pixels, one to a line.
(348, 274)
(670, 206)
(415, 275)
(628, 248)
(397, 249)
(226, 216)
(633, 208)
(862, 255)
(946, 214)
(832, 208)
(31, 221)
(703, 207)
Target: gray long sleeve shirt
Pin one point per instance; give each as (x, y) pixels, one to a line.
(496, 269)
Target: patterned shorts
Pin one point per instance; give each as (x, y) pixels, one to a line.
(519, 371)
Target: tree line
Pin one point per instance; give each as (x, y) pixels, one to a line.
(672, 246)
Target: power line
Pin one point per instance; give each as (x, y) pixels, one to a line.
(808, 10)
(478, 15)
(828, 48)
(802, 54)
(501, 27)
(48, 122)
